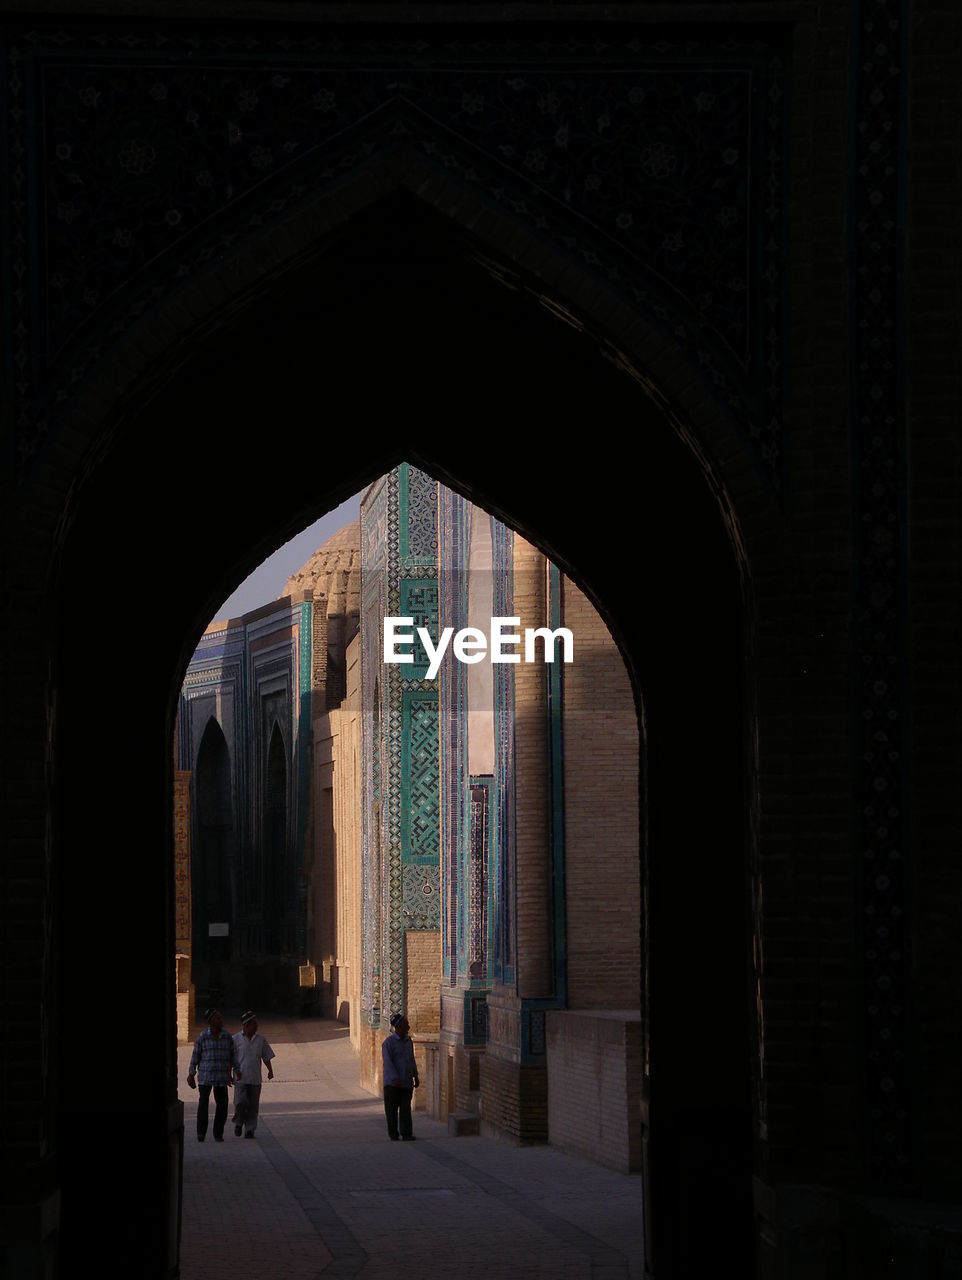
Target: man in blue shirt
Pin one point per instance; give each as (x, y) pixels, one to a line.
(400, 1079)
(213, 1063)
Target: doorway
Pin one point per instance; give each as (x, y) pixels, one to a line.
(404, 346)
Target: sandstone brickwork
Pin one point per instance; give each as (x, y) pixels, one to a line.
(334, 925)
(594, 1085)
(601, 827)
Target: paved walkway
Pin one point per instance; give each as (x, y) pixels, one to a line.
(321, 1192)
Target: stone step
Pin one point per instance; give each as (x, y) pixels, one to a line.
(463, 1124)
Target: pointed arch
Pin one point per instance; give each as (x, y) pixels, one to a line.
(214, 844)
(400, 294)
(277, 845)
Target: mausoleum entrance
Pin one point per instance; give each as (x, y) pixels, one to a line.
(410, 343)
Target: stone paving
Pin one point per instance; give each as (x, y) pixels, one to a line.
(322, 1192)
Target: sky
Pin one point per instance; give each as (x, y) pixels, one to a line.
(267, 581)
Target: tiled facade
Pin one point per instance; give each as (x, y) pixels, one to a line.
(258, 832)
(515, 815)
(401, 885)
(245, 744)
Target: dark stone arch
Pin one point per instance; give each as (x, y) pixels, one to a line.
(410, 350)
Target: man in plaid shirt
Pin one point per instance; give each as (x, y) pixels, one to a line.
(214, 1064)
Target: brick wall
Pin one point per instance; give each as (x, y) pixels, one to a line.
(594, 1086)
(422, 976)
(532, 882)
(514, 1099)
(602, 866)
(369, 1056)
(319, 862)
(336, 874)
(458, 1079)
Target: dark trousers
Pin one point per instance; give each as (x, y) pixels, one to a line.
(397, 1108)
(220, 1108)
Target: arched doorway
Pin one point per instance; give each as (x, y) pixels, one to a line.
(212, 890)
(276, 843)
(405, 347)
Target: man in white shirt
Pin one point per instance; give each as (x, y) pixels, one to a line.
(252, 1050)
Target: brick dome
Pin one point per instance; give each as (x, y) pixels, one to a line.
(333, 571)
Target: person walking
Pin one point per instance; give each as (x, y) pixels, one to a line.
(212, 1067)
(400, 1074)
(252, 1050)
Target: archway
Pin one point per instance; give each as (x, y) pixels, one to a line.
(276, 843)
(212, 895)
(410, 350)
